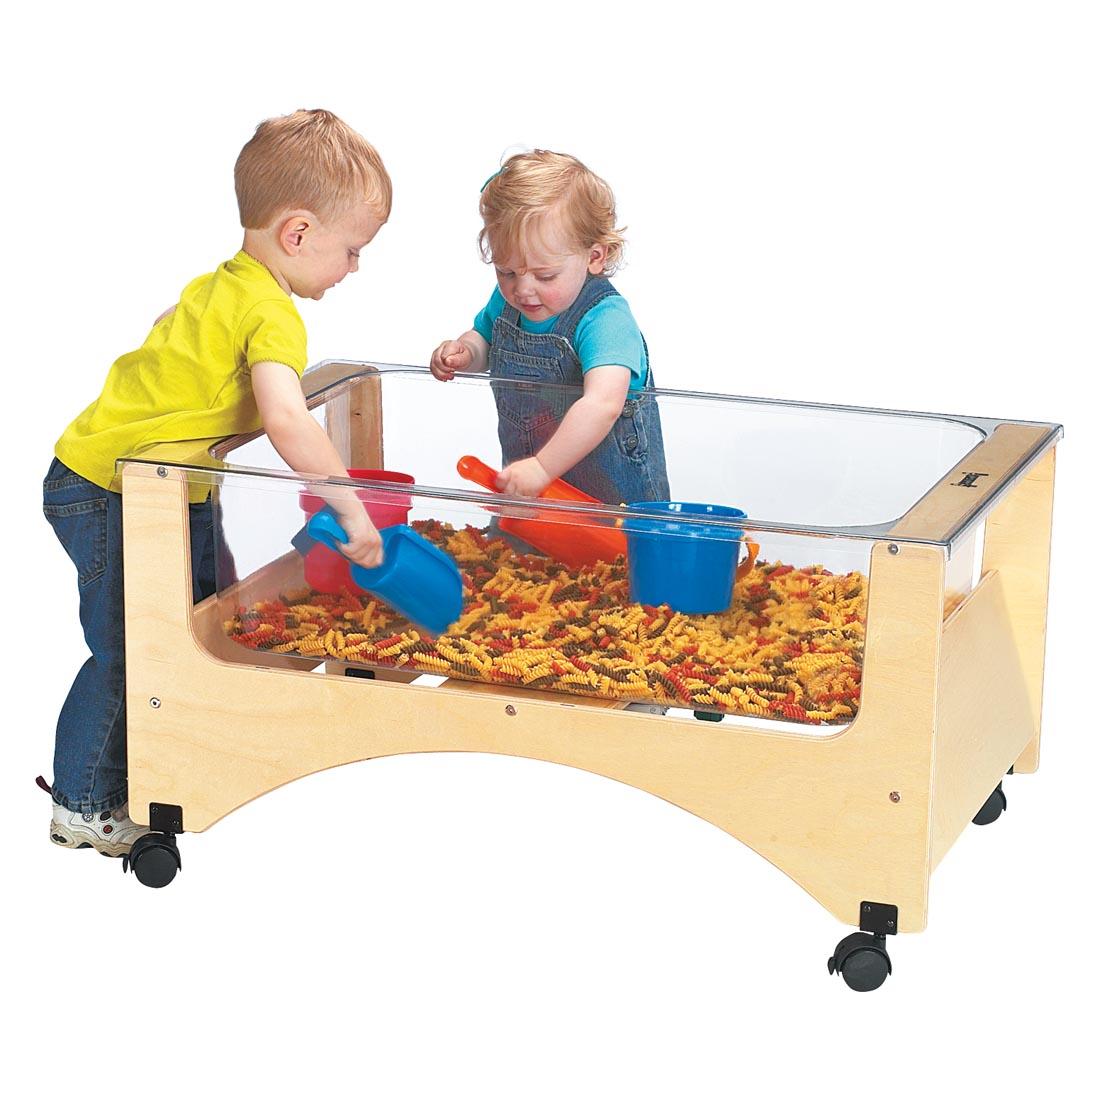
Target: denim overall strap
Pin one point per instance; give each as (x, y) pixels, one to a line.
(594, 291)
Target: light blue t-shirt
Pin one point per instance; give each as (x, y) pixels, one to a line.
(606, 336)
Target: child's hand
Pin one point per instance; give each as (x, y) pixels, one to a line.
(525, 478)
(449, 357)
(364, 545)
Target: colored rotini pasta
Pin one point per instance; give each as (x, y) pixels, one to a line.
(789, 647)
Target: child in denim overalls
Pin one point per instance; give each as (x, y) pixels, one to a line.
(555, 318)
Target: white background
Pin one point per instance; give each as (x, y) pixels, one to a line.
(880, 203)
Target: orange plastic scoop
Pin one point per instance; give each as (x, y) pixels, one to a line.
(575, 540)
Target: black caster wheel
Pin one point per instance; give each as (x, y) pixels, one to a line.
(994, 806)
(861, 960)
(154, 859)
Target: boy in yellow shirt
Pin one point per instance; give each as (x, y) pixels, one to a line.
(226, 359)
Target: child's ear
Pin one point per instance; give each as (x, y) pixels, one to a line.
(293, 231)
(597, 259)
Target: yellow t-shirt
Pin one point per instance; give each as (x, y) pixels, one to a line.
(190, 382)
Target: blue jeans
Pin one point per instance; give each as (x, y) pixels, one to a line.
(89, 767)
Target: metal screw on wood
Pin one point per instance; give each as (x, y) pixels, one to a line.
(161, 472)
(510, 710)
(895, 796)
(894, 548)
(154, 702)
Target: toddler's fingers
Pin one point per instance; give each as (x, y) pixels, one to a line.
(369, 553)
(439, 364)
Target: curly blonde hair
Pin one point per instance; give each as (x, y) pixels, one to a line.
(531, 185)
(312, 160)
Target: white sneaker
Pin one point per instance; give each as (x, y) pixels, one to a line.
(110, 832)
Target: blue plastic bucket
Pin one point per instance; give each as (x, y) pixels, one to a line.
(689, 566)
(415, 577)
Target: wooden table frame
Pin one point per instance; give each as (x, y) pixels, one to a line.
(948, 705)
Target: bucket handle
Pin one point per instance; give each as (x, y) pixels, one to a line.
(745, 567)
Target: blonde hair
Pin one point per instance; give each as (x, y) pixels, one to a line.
(310, 160)
(531, 185)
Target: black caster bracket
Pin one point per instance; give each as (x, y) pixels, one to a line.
(992, 808)
(861, 958)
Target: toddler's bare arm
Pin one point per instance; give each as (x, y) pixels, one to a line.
(305, 448)
(581, 431)
(588, 420)
(469, 354)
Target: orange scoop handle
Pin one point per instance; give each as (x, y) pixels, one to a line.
(473, 469)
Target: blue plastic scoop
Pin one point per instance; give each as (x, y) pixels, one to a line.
(416, 578)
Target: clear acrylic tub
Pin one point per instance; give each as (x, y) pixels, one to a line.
(819, 487)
